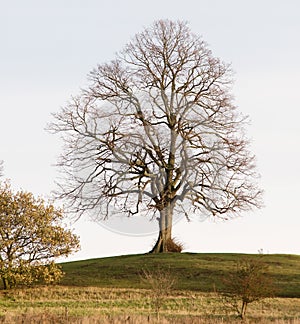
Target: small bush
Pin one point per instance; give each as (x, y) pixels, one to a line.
(173, 245)
(248, 283)
(161, 284)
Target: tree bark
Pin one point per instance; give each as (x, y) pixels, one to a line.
(243, 310)
(164, 239)
(5, 284)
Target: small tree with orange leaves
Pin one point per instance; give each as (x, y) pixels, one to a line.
(31, 237)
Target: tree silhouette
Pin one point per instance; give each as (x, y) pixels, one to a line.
(156, 133)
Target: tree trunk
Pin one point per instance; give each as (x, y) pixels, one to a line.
(243, 310)
(164, 240)
(5, 284)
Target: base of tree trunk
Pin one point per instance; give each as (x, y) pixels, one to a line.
(165, 246)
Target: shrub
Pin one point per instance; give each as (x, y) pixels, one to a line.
(248, 283)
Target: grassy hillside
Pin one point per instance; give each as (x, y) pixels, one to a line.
(108, 290)
(199, 272)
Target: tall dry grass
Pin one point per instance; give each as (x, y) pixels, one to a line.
(130, 319)
(67, 305)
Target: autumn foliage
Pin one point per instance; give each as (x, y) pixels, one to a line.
(31, 237)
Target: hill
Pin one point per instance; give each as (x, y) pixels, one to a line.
(193, 271)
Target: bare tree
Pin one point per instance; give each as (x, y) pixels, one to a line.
(161, 284)
(156, 133)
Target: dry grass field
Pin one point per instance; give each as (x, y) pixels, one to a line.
(123, 305)
(110, 290)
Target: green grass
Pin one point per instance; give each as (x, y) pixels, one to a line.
(201, 272)
(110, 290)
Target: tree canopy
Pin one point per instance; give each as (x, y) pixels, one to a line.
(156, 133)
(31, 237)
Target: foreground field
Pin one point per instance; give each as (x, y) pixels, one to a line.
(110, 290)
(116, 305)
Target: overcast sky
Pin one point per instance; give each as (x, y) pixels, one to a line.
(48, 47)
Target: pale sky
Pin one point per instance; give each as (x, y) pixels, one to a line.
(48, 47)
